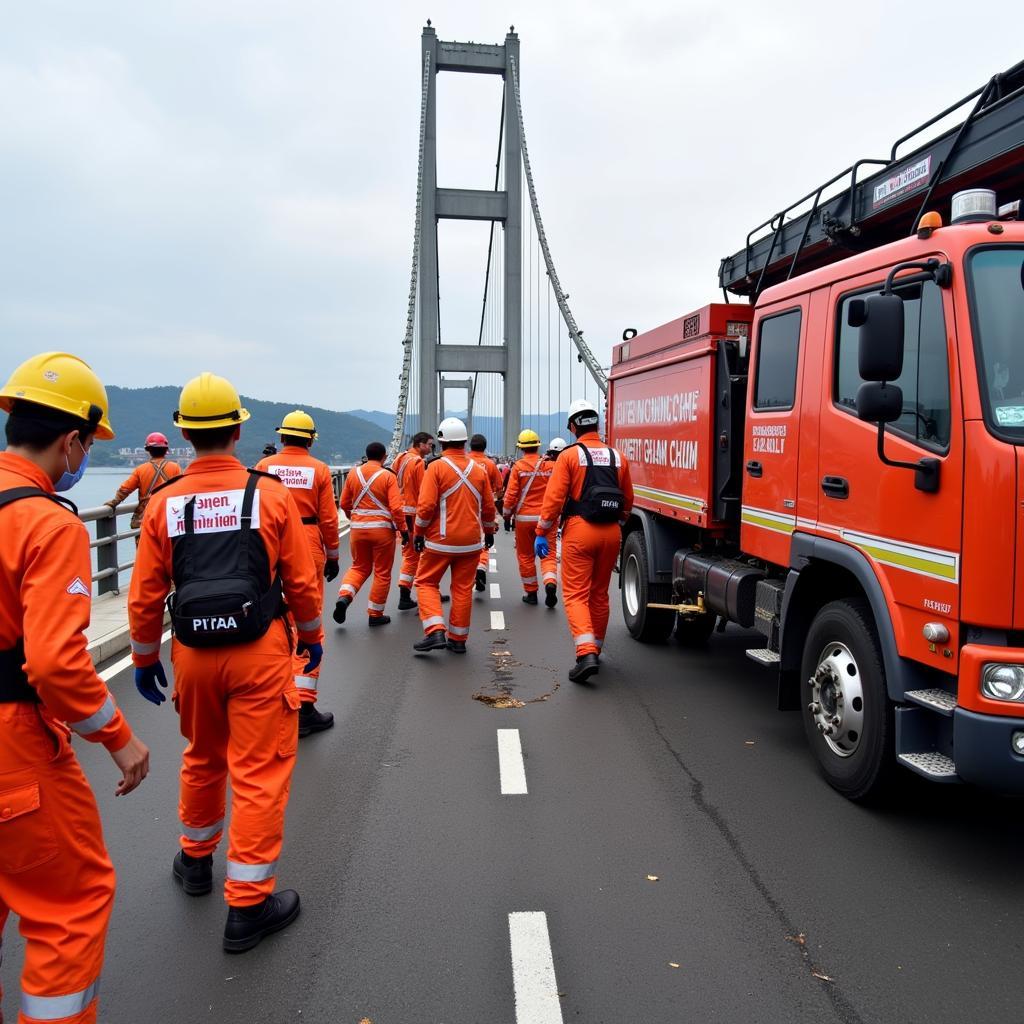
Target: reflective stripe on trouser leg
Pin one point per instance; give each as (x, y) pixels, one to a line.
(410, 563)
(485, 558)
(65, 1007)
(238, 872)
(203, 833)
(361, 546)
(463, 575)
(527, 560)
(383, 565)
(307, 682)
(549, 565)
(432, 566)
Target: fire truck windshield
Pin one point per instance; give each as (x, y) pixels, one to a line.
(996, 280)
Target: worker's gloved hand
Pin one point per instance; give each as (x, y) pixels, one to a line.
(420, 543)
(315, 652)
(113, 503)
(146, 680)
(489, 540)
(331, 569)
(405, 538)
(508, 524)
(540, 547)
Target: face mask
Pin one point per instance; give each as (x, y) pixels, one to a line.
(67, 478)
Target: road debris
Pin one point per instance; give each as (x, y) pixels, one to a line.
(652, 878)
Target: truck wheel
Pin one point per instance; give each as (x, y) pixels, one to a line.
(695, 630)
(648, 625)
(847, 714)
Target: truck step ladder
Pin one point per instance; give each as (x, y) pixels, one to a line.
(941, 701)
(764, 656)
(931, 764)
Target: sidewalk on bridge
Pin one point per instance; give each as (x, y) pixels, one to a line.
(107, 635)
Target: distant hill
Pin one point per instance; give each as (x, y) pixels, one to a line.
(137, 411)
(385, 420)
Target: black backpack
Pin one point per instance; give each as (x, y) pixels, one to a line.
(601, 499)
(221, 595)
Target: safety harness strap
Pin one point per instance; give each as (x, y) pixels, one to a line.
(462, 481)
(526, 489)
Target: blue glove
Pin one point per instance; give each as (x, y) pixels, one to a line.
(315, 652)
(146, 680)
(540, 547)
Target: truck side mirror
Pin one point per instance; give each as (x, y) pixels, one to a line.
(880, 342)
(879, 403)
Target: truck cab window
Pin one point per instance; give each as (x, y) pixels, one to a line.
(778, 346)
(925, 377)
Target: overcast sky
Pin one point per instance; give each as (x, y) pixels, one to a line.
(230, 185)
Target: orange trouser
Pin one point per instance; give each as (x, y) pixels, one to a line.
(238, 709)
(410, 561)
(485, 557)
(589, 552)
(55, 873)
(309, 682)
(373, 551)
(526, 534)
(433, 565)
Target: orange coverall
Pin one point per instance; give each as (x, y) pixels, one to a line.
(371, 500)
(309, 481)
(456, 505)
(145, 479)
(238, 704)
(55, 873)
(589, 550)
(408, 467)
(494, 479)
(524, 497)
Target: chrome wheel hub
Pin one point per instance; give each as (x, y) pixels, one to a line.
(631, 585)
(837, 699)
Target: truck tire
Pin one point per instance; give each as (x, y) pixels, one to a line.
(648, 625)
(695, 630)
(848, 717)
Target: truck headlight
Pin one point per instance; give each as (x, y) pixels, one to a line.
(1003, 682)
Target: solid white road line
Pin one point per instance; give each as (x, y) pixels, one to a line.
(119, 666)
(496, 591)
(510, 763)
(533, 969)
(493, 565)
(497, 620)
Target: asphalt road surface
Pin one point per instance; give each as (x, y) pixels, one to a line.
(674, 857)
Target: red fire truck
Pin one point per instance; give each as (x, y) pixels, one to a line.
(840, 463)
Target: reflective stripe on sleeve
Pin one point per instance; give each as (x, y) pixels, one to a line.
(141, 647)
(334, 554)
(545, 524)
(58, 1007)
(250, 872)
(453, 549)
(423, 523)
(527, 519)
(584, 638)
(308, 627)
(199, 834)
(95, 722)
(409, 510)
(306, 682)
(434, 620)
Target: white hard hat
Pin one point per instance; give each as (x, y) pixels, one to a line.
(452, 429)
(556, 444)
(582, 407)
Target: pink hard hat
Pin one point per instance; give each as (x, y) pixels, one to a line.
(157, 440)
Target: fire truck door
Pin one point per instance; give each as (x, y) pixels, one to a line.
(771, 444)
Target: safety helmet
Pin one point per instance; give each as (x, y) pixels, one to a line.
(298, 422)
(580, 407)
(556, 444)
(156, 440)
(63, 382)
(209, 401)
(528, 439)
(452, 429)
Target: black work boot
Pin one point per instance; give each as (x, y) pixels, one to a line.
(456, 646)
(246, 926)
(530, 597)
(435, 641)
(313, 720)
(194, 873)
(341, 609)
(481, 581)
(379, 620)
(587, 665)
(550, 595)
(405, 601)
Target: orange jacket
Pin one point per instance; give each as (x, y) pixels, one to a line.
(408, 467)
(371, 499)
(46, 602)
(312, 488)
(493, 474)
(527, 484)
(280, 528)
(145, 478)
(456, 503)
(567, 476)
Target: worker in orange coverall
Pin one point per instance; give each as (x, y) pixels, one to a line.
(147, 477)
(524, 496)
(456, 506)
(55, 873)
(408, 467)
(312, 488)
(373, 503)
(231, 542)
(478, 453)
(590, 487)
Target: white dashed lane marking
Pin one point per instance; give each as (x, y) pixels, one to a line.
(533, 969)
(493, 565)
(496, 591)
(511, 768)
(497, 620)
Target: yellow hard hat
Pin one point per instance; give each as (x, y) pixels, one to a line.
(528, 439)
(64, 382)
(209, 401)
(298, 422)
